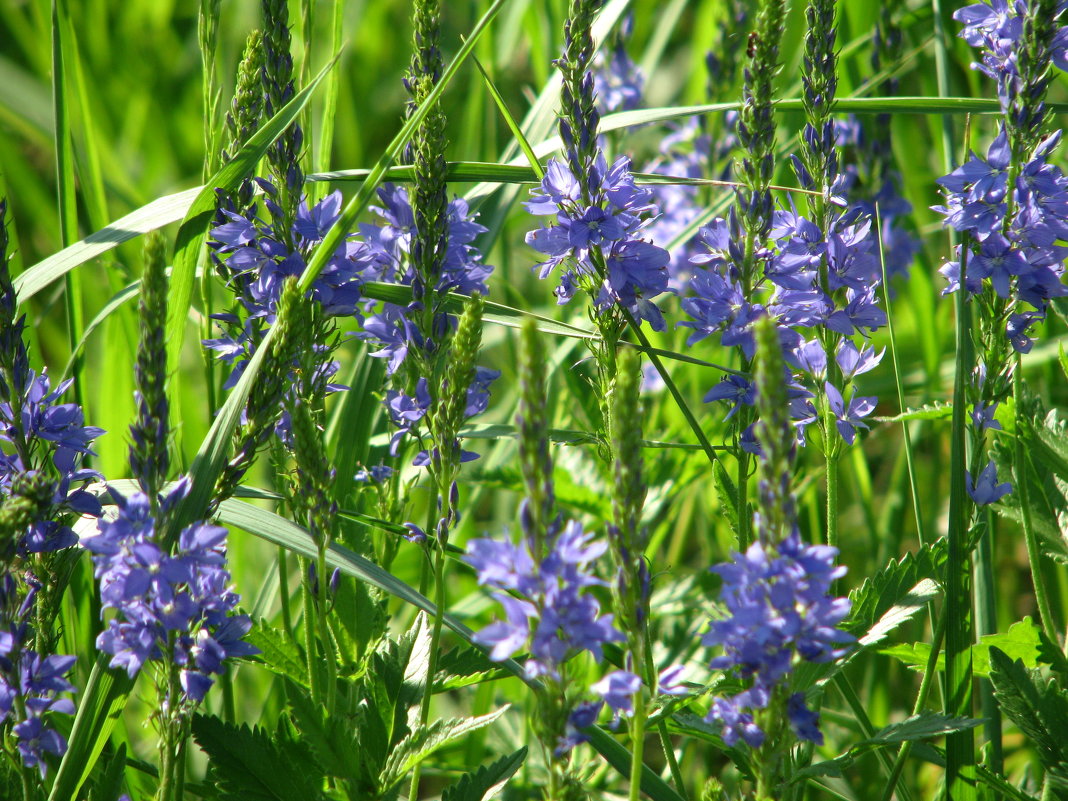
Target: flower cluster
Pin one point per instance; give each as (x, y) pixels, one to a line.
(398, 331)
(1016, 253)
(818, 276)
(550, 612)
(595, 238)
(40, 430)
(997, 29)
(794, 296)
(171, 606)
(546, 601)
(254, 260)
(406, 411)
(30, 683)
(389, 243)
(781, 613)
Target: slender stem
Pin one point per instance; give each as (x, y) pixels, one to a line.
(229, 705)
(283, 591)
(432, 662)
(169, 728)
(309, 634)
(179, 770)
(643, 340)
(857, 707)
(986, 622)
(1034, 555)
(637, 736)
(665, 737)
(742, 488)
(913, 482)
(929, 674)
(325, 640)
(832, 494)
(960, 746)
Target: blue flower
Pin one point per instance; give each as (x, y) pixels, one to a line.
(176, 604)
(780, 613)
(27, 676)
(596, 234)
(848, 417)
(552, 613)
(617, 689)
(987, 490)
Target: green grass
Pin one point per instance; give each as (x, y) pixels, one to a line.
(102, 130)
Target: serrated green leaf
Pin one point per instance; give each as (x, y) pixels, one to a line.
(1021, 641)
(1053, 437)
(487, 781)
(914, 729)
(249, 765)
(332, 741)
(925, 725)
(1030, 703)
(110, 786)
(902, 611)
(420, 644)
(278, 653)
(1050, 653)
(930, 411)
(464, 666)
(879, 593)
(424, 741)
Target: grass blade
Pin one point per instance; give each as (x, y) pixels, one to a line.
(162, 211)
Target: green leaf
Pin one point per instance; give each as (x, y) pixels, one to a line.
(248, 764)
(160, 212)
(1037, 706)
(923, 726)
(110, 786)
(487, 781)
(906, 608)
(99, 707)
(930, 411)
(194, 227)
(424, 741)
(513, 126)
(331, 740)
(117, 301)
(845, 105)
(278, 653)
(494, 173)
(619, 758)
(462, 667)
(880, 592)
(563, 436)
(1022, 641)
(279, 531)
(511, 317)
(919, 727)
